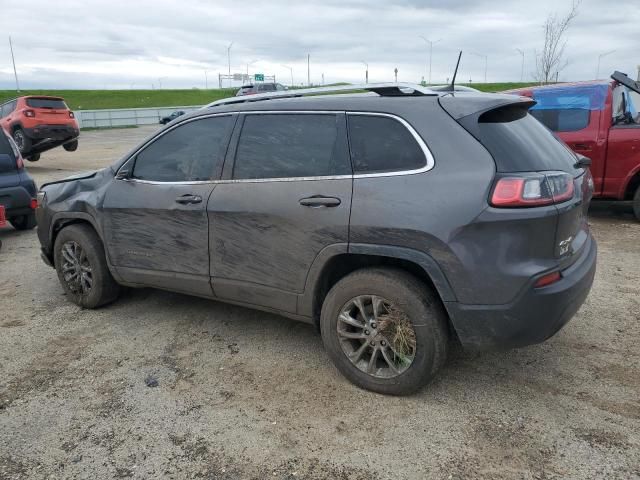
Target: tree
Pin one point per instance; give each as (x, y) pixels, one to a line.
(550, 61)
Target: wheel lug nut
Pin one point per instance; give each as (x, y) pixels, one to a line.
(383, 343)
(366, 332)
(372, 343)
(373, 324)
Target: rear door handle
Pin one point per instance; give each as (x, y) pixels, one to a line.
(317, 201)
(189, 199)
(582, 146)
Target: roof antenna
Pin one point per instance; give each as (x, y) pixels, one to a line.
(452, 87)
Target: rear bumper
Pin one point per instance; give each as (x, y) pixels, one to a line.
(56, 132)
(16, 201)
(536, 315)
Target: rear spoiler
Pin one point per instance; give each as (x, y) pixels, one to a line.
(462, 105)
(467, 109)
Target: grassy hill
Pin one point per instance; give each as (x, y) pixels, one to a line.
(96, 99)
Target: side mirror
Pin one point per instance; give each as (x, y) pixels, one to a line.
(7, 163)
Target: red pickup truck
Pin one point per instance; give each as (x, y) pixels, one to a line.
(600, 120)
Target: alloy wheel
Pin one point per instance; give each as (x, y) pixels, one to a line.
(376, 336)
(76, 269)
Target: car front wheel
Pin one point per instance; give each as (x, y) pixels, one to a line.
(82, 267)
(385, 330)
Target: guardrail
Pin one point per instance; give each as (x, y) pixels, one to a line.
(125, 117)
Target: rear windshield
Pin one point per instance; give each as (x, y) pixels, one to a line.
(520, 143)
(46, 103)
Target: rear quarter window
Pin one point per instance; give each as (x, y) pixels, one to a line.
(382, 144)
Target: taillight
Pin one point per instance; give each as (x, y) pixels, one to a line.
(532, 190)
(29, 113)
(71, 115)
(33, 204)
(19, 162)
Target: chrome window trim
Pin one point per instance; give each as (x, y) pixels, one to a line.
(430, 161)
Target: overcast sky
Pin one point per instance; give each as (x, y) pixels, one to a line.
(140, 43)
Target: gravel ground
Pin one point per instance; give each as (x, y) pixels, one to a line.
(161, 385)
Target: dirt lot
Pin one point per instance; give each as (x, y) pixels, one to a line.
(244, 394)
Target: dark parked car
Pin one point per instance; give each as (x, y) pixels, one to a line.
(171, 117)
(260, 88)
(395, 223)
(17, 188)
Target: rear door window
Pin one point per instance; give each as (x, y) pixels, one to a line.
(289, 146)
(46, 103)
(382, 144)
(193, 151)
(563, 120)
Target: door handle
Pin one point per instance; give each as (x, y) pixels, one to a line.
(318, 201)
(189, 199)
(582, 146)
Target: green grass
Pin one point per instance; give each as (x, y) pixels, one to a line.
(97, 99)
(498, 87)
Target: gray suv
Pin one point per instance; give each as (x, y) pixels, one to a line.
(397, 222)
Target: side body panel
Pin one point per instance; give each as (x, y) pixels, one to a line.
(154, 240)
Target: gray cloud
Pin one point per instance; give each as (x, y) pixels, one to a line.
(119, 43)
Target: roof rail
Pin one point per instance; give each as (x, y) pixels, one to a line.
(382, 89)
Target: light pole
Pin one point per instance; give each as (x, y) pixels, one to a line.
(521, 52)
(600, 57)
(366, 72)
(206, 80)
(308, 69)
(250, 63)
(160, 82)
(13, 60)
(430, 43)
(485, 64)
(290, 71)
(229, 60)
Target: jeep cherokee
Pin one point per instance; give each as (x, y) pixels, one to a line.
(396, 223)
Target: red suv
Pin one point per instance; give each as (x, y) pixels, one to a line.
(39, 123)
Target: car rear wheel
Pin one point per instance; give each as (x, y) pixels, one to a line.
(82, 267)
(34, 158)
(385, 330)
(22, 141)
(71, 146)
(636, 204)
(24, 222)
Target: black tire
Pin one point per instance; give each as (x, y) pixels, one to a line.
(423, 309)
(104, 288)
(24, 222)
(636, 204)
(34, 158)
(22, 140)
(71, 146)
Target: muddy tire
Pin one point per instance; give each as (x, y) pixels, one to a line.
(352, 330)
(82, 269)
(636, 204)
(24, 222)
